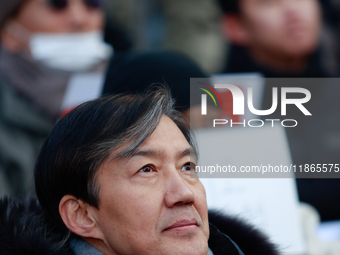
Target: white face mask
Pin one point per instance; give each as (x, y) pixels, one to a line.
(70, 52)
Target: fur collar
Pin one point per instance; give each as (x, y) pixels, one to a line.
(25, 230)
(250, 240)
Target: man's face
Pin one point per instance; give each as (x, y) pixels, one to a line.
(40, 16)
(149, 204)
(287, 27)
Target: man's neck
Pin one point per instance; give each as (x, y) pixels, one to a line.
(279, 62)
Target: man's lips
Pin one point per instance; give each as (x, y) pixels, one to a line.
(182, 225)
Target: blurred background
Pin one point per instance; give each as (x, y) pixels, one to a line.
(56, 54)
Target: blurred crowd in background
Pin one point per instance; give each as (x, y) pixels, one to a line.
(44, 43)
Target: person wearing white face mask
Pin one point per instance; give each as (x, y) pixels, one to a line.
(43, 45)
(74, 52)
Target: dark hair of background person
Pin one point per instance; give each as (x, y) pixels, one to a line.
(330, 13)
(133, 72)
(85, 137)
(229, 6)
(117, 37)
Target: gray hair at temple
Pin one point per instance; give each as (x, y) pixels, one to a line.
(81, 141)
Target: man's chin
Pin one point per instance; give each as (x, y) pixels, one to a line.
(300, 48)
(186, 241)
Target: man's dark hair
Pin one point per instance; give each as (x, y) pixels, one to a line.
(84, 138)
(229, 6)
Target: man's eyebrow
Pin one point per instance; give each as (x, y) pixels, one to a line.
(155, 153)
(148, 153)
(187, 152)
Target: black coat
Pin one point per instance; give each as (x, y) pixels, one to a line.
(25, 230)
(250, 240)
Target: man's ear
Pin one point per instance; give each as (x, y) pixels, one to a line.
(233, 29)
(78, 217)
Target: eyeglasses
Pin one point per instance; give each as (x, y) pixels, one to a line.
(61, 4)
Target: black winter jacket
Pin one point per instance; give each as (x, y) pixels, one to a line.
(25, 230)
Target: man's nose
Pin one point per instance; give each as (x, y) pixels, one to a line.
(78, 15)
(178, 191)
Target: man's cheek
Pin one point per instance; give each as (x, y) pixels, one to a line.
(201, 205)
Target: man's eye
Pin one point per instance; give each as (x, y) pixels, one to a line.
(147, 169)
(187, 167)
